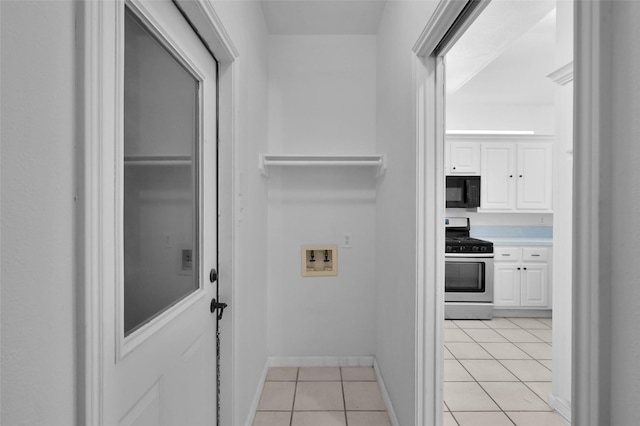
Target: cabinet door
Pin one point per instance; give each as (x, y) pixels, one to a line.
(498, 177)
(506, 292)
(535, 285)
(464, 158)
(534, 176)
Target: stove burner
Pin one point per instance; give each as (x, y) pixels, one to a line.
(467, 245)
(458, 241)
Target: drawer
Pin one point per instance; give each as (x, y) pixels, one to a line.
(535, 254)
(506, 254)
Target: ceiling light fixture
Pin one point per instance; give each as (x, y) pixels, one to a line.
(490, 132)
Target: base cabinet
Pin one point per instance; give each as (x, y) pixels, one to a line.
(521, 277)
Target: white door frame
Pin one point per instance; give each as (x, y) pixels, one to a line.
(429, 103)
(96, 133)
(590, 357)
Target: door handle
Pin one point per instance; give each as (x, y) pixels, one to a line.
(217, 307)
(213, 275)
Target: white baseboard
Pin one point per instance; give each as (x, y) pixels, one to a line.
(561, 406)
(385, 395)
(321, 361)
(256, 397)
(359, 361)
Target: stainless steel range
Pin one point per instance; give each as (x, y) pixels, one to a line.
(468, 273)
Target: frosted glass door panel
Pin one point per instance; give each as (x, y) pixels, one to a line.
(160, 174)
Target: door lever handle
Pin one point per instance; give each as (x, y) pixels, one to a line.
(217, 307)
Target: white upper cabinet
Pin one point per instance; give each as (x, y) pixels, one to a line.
(463, 158)
(516, 176)
(498, 183)
(534, 176)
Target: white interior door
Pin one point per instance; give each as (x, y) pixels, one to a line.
(159, 358)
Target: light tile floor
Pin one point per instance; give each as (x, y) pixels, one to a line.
(498, 373)
(321, 396)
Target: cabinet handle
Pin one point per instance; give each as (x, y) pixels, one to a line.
(510, 176)
(524, 269)
(518, 269)
(506, 255)
(520, 175)
(535, 255)
(454, 168)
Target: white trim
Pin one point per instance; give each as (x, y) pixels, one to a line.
(443, 17)
(428, 71)
(385, 395)
(502, 137)
(94, 133)
(227, 187)
(256, 396)
(210, 28)
(321, 361)
(430, 240)
(591, 399)
(562, 75)
(562, 407)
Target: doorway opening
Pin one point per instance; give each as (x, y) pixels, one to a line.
(485, 63)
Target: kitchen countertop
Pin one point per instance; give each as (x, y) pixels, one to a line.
(519, 241)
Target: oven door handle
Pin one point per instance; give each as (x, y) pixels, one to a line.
(469, 255)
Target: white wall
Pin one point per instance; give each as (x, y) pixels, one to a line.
(38, 283)
(322, 97)
(623, 109)
(502, 219)
(466, 116)
(400, 26)
(245, 23)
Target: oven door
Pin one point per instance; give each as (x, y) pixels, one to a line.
(468, 277)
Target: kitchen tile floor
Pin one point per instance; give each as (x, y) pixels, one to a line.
(498, 373)
(321, 396)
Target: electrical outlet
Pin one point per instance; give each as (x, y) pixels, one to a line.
(187, 260)
(346, 241)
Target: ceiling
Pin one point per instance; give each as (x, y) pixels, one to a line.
(505, 56)
(348, 17)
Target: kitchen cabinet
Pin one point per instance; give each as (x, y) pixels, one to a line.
(462, 158)
(516, 176)
(521, 277)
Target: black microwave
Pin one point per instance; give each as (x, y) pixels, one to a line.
(463, 192)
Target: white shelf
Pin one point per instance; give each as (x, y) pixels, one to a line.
(172, 160)
(285, 160)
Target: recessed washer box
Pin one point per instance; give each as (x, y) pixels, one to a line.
(319, 260)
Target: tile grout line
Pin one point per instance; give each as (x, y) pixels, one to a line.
(344, 398)
(295, 390)
(499, 362)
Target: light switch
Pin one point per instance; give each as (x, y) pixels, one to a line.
(319, 260)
